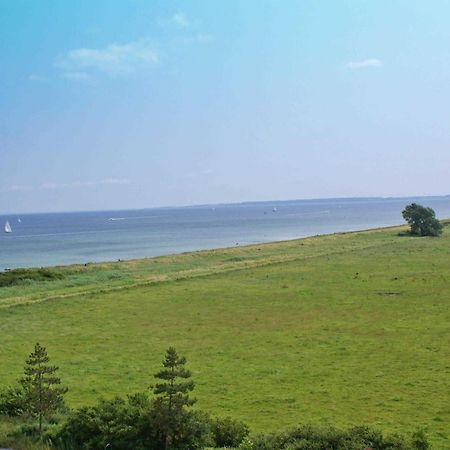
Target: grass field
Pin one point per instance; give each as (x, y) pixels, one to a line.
(342, 329)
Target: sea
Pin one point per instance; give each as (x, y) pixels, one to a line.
(40, 240)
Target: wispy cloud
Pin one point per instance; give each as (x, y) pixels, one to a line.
(48, 186)
(196, 38)
(366, 63)
(16, 188)
(201, 173)
(37, 78)
(81, 184)
(72, 185)
(178, 20)
(76, 76)
(114, 59)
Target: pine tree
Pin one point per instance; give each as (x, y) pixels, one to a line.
(42, 388)
(173, 396)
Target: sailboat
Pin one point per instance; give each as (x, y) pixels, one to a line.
(19, 220)
(8, 228)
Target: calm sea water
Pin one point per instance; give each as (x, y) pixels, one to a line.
(66, 238)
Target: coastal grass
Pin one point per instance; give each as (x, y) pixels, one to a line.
(343, 329)
(24, 286)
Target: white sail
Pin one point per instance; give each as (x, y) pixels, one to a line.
(19, 220)
(8, 227)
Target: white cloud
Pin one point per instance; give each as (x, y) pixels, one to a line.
(49, 186)
(116, 181)
(78, 184)
(16, 188)
(178, 20)
(76, 76)
(197, 38)
(38, 78)
(71, 185)
(114, 59)
(201, 173)
(366, 63)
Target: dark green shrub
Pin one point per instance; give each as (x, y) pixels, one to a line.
(195, 432)
(132, 423)
(228, 432)
(12, 402)
(358, 438)
(110, 421)
(28, 430)
(22, 276)
(419, 441)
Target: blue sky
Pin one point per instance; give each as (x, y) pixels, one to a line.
(130, 104)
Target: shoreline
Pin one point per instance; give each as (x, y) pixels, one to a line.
(66, 282)
(55, 240)
(204, 250)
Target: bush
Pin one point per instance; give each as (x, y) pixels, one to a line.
(228, 432)
(358, 438)
(419, 441)
(131, 423)
(246, 444)
(12, 402)
(22, 276)
(110, 421)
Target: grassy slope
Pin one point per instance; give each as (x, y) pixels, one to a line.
(342, 329)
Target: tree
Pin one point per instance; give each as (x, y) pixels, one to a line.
(172, 397)
(422, 220)
(43, 393)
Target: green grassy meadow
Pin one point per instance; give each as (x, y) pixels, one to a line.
(341, 329)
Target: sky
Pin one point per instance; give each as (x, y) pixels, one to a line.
(112, 104)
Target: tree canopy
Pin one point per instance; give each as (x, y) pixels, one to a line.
(43, 393)
(422, 220)
(172, 397)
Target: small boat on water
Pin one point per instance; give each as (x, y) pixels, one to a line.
(19, 220)
(8, 228)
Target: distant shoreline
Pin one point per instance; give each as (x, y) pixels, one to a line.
(232, 204)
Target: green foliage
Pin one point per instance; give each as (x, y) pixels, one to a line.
(422, 220)
(126, 424)
(228, 432)
(172, 397)
(173, 394)
(115, 422)
(19, 433)
(23, 276)
(419, 441)
(42, 390)
(246, 444)
(315, 438)
(12, 402)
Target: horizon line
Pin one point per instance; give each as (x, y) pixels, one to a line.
(244, 202)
